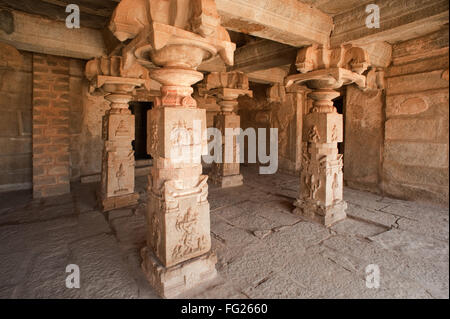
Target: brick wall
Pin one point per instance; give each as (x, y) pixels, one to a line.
(51, 134)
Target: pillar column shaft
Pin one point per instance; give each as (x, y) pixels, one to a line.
(177, 256)
(227, 173)
(321, 180)
(118, 165)
(227, 87)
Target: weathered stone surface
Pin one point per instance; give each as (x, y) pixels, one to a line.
(364, 137)
(358, 228)
(434, 43)
(417, 175)
(417, 104)
(412, 83)
(417, 154)
(263, 251)
(402, 20)
(411, 129)
(414, 245)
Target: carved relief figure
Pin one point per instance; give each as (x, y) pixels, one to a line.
(190, 240)
(181, 137)
(335, 187)
(334, 136)
(120, 175)
(313, 135)
(156, 236)
(122, 129)
(313, 183)
(153, 138)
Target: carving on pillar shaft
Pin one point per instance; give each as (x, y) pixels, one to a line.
(171, 39)
(227, 87)
(117, 182)
(321, 180)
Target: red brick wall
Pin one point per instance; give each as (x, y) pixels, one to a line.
(51, 135)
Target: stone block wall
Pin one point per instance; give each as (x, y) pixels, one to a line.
(15, 120)
(51, 133)
(364, 138)
(416, 146)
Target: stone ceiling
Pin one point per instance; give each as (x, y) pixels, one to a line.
(96, 13)
(335, 7)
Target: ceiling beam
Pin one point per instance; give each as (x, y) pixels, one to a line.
(53, 37)
(399, 21)
(268, 76)
(262, 55)
(286, 21)
(254, 57)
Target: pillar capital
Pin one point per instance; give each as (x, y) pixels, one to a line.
(107, 74)
(227, 87)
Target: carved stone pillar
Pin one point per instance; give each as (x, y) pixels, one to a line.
(117, 181)
(321, 180)
(227, 87)
(178, 253)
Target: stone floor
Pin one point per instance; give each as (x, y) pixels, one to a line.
(264, 251)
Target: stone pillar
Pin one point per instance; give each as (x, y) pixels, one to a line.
(118, 131)
(178, 253)
(227, 87)
(321, 177)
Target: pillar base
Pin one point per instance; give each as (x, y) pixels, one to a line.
(170, 282)
(116, 202)
(326, 216)
(228, 181)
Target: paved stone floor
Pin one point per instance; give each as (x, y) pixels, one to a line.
(264, 251)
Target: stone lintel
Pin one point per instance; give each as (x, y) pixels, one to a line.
(290, 22)
(53, 38)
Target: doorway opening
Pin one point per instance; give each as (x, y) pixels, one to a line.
(339, 103)
(139, 110)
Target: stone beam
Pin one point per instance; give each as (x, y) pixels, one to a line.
(399, 21)
(268, 76)
(287, 21)
(255, 57)
(53, 37)
(262, 55)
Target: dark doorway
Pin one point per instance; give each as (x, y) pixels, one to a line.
(139, 109)
(339, 104)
